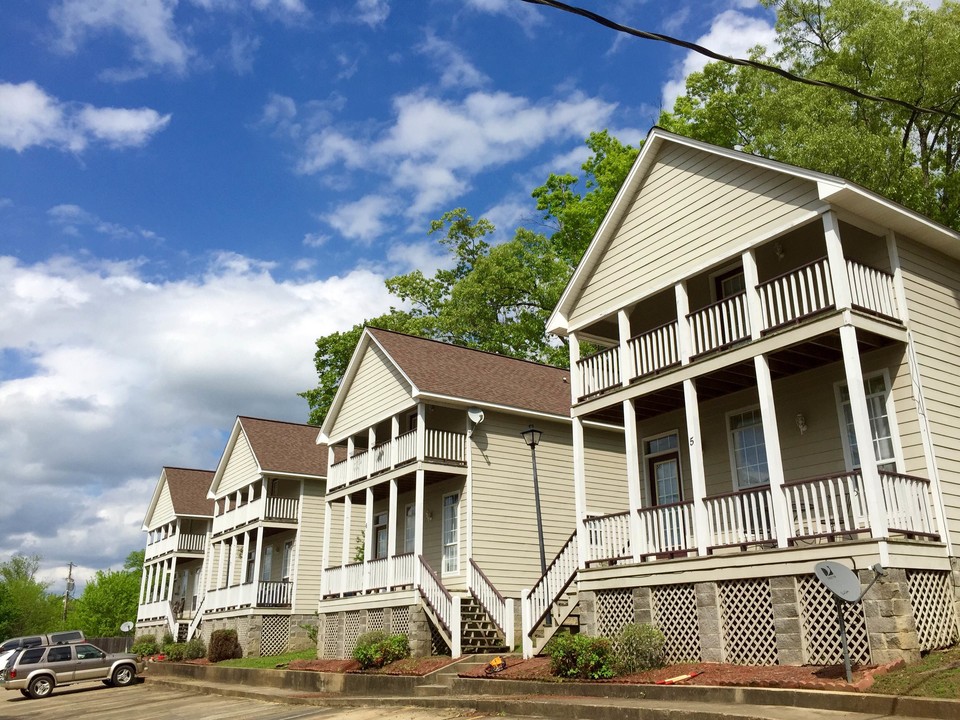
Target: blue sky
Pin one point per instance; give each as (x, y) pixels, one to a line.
(191, 191)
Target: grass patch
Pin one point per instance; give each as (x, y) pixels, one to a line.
(936, 675)
(271, 661)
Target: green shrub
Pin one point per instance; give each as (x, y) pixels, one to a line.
(376, 649)
(145, 645)
(174, 651)
(580, 656)
(224, 646)
(194, 649)
(167, 638)
(638, 648)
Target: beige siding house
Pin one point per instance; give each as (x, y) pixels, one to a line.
(263, 559)
(431, 526)
(780, 348)
(177, 524)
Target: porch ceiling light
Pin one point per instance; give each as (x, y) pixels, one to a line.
(531, 436)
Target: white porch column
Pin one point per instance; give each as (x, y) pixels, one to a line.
(148, 596)
(257, 564)
(369, 537)
(418, 526)
(143, 584)
(632, 447)
(173, 577)
(684, 341)
(838, 265)
(394, 434)
(347, 530)
(371, 442)
(580, 492)
(392, 523)
(861, 425)
(697, 475)
(232, 561)
(751, 279)
(626, 366)
(771, 439)
(573, 345)
(468, 488)
(162, 594)
(325, 552)
(218, 581)
(421, 431)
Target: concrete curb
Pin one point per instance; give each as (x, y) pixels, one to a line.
(560, 700)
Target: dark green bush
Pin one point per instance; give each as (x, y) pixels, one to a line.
(638, 648)
(194, 649)
(580, 656)
(224, 646)
(145, 646)
(167, 638)
(174, 651)
(376, 649)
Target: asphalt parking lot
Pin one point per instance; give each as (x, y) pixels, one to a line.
(143, 702)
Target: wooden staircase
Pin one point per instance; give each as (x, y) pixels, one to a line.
(478, 633)
(564, 616)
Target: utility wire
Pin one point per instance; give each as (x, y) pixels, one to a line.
(643, 34)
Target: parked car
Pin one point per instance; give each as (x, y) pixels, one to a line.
(56, 638)
(36, 671)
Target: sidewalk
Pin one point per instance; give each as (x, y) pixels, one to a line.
(557, 701)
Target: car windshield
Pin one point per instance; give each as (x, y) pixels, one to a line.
(5, 656)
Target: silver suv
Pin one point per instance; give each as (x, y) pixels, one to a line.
(36, 671)
(55, 638)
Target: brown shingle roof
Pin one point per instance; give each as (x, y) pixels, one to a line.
(286, 447)
(443, 369)
(188, 490)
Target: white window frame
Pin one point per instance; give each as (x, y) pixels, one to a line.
(286, 561)
(443, 544)
(266, 564)
(891, 418)
(646, 482)
(718, 273)
(409, 527)
(377, 527)
(732, 450)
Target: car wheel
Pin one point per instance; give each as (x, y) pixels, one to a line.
(123, 676)
(108, 683)
(24, 693)
(40, 687)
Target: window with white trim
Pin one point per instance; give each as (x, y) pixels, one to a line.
(266, 565)
(287, 560)
(380, 535)
(451, 533)
(748, 449)
(878, 398)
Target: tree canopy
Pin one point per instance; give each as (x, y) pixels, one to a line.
(904, 50)
(26, 606)
(110, 599)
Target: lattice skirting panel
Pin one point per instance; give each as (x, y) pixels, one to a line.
(332, 644)
(932, 598)
(820, 628)
(749, 633)
(675, 613)
(614, 610)
(274, 634)
(438, 646)
(400, 621)
(376, 620)
(351, 631)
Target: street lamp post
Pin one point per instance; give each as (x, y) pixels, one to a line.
(532, 436)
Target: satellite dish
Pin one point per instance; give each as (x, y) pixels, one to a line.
(839, 579)
(475, 414)
(126, 627)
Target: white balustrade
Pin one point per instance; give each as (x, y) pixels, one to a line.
(445, 445)
(907, 501)
(191, 542)
(608, 537)
(403, 566)
(233, 596)
(235, 517)
(273, 593)
(377, 574)
(653, 350)
(438, 597)
(720, 325)
(381, 457)
(496, 606)
(740, 518)
(827, 506)
(666, 530)
(559, 574)
(282, 508)
(339, 474)
(352, 579)
(407, 447)
(599, 372)
(872, 289)
(358, 465)
(796, 294)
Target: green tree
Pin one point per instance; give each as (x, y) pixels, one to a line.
(110, 599)
(25, 604)
(904, 50)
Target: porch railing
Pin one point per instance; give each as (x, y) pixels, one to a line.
(496, 606)
(907, 501)
(403, 569)
(192, 542)
(407, 447)
(740, 518)
(827, 506)
(282, 508)
(666, 530)
(560, 573)
(377, 574)
(238, 515)
(446, 446)
(872, 289)
(599, 372)
(437, 596)
(608, 537)
(653, 350)
(720, 325)
(272, 593)
(381, 457)
(796, 294)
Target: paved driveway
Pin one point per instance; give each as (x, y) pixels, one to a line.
(143, 702)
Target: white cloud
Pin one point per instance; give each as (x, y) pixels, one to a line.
(731, 33)
(455, 70)
(30, 117)
(330, 147)
(373, 12)
(363, 219)
(72, 220)
(120, 375)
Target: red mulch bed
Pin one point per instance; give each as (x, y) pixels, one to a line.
(776, 676)
(410, 666)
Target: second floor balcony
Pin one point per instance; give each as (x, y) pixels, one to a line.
(239, 509)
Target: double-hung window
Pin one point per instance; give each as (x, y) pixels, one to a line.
(748, 449)
(881, 427)
(451, 533)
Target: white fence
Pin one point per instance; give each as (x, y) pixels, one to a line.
(827, 506)
(796, 294)
(446, 446)
(740, 518)
(653, 350)
(666, 530)
(872, 289)
(608, 537)
(720, 325)
(274, 593)
(599, 372)
(282, 508)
